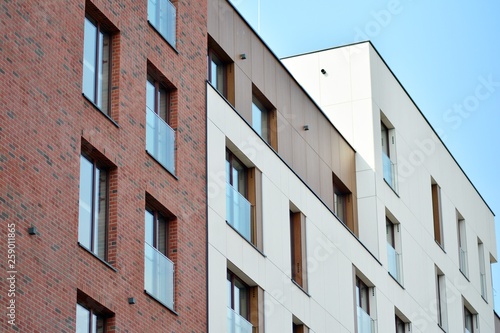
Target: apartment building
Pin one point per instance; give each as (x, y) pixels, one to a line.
(335, 208)
(103, 168)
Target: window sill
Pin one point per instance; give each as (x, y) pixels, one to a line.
(300, 287)
(396, 280)
(465, 276)
(484, 299)
(246, 240)
(95, 256)
(161, 303)
(159, 163)
(163, 37)
(442, 329)
(100, 111)
(440, 246)
(393, 190)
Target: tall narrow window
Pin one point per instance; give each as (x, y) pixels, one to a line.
(238, 304)
(96, 64)
(300, 328)
(462, 245)
(365, 323)
(442, 318)
(217, 73)
(159, 269)
(162, 16)
(160, 137)
(298, 248)
(437, 214)
(87, 321)
(260, 119)
(468, 321)
(93, 212)
(482, 269)
(342, 204)
(388, 153)
(400, 325)
(394, 250)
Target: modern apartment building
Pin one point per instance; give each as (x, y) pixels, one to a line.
(103, 168)
(366, 225)
(163, 171)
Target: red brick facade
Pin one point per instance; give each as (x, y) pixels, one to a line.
(45, 122)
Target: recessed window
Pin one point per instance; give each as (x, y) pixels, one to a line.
(93, 203)
(243, 199)
(437, 214)
(217, 73)
(394, 257)
(462, 245)
(162, 16)
(160, 136)
(400, 325)
(220, 71)
(442, 317)
(365, 322)
(96, 64)
(388, 142)
(482, 269)
(298, 248)
(87, 321)
(160, 242)
(342, 204)
(469, 321)
(264, 118)
(300, 328)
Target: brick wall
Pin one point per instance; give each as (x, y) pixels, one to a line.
(43, 121)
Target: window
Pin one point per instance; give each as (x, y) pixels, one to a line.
(342, 204)
(160, 241)
(220, 71)
(298, 248)
(365, 323)
(93, 210)
(300, 328)
(243, 199)
(437, 214)
(400, 325)
(462, 245)
(388, 152)
(244, 306)
(264, 120)
(482, 269)
(217, 73)
(468, 321)
(394, 250)
(87, 321)
(160, 137)
(441, 300)
(96, 64)
(162, 16)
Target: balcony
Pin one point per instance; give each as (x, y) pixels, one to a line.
(390, 171)
(159, 276)
(162, 16)
(239, 212)
(463, 261)
(394, 263)
(236, 323)
(365, 323)
(160, 140)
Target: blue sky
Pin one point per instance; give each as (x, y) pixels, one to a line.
(446, 56)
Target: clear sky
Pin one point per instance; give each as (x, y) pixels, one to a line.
(447, 56)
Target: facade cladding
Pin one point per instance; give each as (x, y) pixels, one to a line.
(144, 192)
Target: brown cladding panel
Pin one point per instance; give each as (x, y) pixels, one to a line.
(257, 74)
(213, 18)
(283, 100)
(226, 27)
(335, 147)
(326, 181)
(243, 45)
(298, 104)
(243, 95)
(311, 119)
(313, 171)
(325, 142)
(270, 64)
(299, 155)
(284, 138)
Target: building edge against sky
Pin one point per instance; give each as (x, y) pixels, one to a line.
(418, 253)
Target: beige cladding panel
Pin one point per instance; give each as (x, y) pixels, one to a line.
(299, 155)
(270, 77)
(243, 94)
(226, 27)
(213, 18)
(257, 74)
(243, 45)
(284, 137)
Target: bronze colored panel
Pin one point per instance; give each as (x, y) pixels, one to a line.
(313, 169)
(243, 45)
(257, 63)
(283, 100)
(311, 115)
(255, 199)
(257, 309)
(270, 64)
(284, 133)
(298, 103)
(243, 96)
(299, 155)
(335, 147)
(213, 18)
(226, 26)
(325, 180)
(298, 248)
(325, 141)
(273, 129)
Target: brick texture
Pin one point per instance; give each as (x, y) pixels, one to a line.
(44, 119)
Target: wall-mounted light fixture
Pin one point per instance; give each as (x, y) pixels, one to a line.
(306, 127)
(32, 230)
(243, 56)
(131, 300)
(323, 71)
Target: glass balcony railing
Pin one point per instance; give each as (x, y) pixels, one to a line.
(394, 263)
(239, 212)
(483, 284)
(390, 171)
(236, 323)
(365, 323)
(463, 261)
(162, 15)
(160, 140)
(159, 276)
